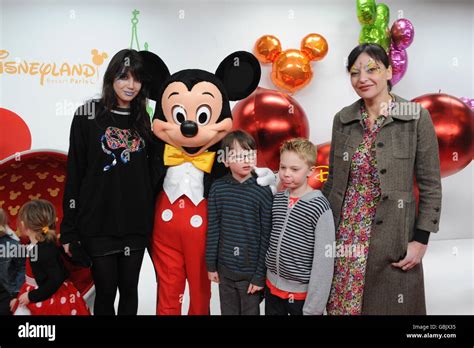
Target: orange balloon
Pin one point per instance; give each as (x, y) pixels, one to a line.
(292, 70)
(315, 46)
(267, 48)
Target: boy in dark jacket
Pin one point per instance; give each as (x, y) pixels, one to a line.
(239, 225)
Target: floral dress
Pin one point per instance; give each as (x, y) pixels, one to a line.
(353, 233)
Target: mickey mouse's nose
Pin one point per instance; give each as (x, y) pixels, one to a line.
(189, 128)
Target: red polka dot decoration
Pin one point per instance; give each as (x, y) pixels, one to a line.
(15, 135)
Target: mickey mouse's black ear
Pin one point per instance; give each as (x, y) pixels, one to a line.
(240, 72)
(158, 71)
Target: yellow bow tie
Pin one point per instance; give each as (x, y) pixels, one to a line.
(175, 157)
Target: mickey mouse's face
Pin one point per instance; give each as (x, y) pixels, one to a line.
(192, 117)
(193, 109)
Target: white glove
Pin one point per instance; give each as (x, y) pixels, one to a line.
(267, 178)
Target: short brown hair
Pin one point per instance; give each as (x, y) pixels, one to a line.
(39, 215)
(244, 139)
(303, 148)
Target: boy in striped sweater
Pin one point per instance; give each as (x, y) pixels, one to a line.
(299, 272)
(239, 225)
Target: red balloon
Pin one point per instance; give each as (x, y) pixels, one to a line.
(271, 117)
(15, 135)
(452, 120)
(321, 172)
(323, 154)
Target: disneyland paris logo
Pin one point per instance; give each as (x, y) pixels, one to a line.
(52, 72)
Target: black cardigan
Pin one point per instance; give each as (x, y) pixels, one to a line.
(48, 270)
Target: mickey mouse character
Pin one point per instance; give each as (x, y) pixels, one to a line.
(192, 115)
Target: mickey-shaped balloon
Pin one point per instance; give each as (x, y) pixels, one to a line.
(192, 115)
(402, 37)
(374, 19)
(291, 68)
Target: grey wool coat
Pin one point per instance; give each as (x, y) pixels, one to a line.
(406, 147)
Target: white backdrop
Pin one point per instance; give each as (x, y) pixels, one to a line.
(199, 34)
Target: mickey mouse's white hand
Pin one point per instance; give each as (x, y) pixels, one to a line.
(267, 178)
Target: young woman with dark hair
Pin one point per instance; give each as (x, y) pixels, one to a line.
(108, 200)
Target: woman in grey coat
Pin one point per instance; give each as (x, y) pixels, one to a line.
(379, 145)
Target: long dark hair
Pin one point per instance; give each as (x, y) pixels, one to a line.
(123, 62)
(374, 51)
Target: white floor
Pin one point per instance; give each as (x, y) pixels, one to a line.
(449, 277)
(449, 280)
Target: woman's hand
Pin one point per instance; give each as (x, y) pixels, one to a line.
(66, 249)
(24, 300)
(415, 253)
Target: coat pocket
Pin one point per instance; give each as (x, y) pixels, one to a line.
(395, 210)
(402, 144)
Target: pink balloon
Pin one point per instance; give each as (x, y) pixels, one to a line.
(468, 101)
(402, 33)
(399, 63)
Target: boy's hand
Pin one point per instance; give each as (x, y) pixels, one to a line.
(213, 276)
(24, 300)
(253, 289)
(12, 304)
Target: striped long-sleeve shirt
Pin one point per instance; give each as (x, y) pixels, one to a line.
(296, 258)
(239, 225)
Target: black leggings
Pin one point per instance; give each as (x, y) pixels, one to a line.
(114, 271)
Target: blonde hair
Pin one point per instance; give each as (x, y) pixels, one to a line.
(304, 148)
(39, 216)
(3, 221)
